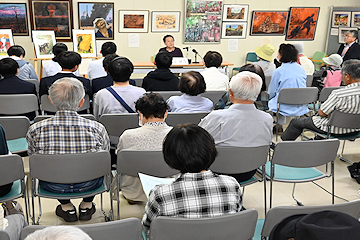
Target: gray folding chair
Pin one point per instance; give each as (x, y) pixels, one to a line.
(125, 229)
(267, 82)
(240, 226)
(309, 80)
(16, 128)
(167, 94)
(277, 214)
(175, 118)
(46, 105)
(295, 162)
(132, 162)
(214, 96)
(16, 104)
(4, 235)
(324, 94)
(65, 168)
(42, 117)
(234, 160)
(35, 82)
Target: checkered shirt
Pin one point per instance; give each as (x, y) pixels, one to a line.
(65, 133)
(194, 195)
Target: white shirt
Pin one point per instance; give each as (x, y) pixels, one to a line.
(96, 69)
(215, 80)
(267, 67)
(51, 68)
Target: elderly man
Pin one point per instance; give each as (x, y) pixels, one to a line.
(345, 100)
(350, 49)
(241, 125)
(68, 133)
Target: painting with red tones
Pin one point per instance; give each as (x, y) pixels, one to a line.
(55, 15)
(302, 23)
(269, 22)
(13, 16)
(6, 41)
(133, 21)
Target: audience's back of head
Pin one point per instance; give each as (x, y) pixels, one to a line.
(163, 60)
(189, 149)
(152, 105)
(120, 69)
(68, 59)
(58, 48)
(351, 67)
(108, 59)
(59, 233)
(192, 83)
(288, 53)
(246, 86)
(8, 67)
(255, 69)
(66, 94)
(213, 59)
(108, 48)
(16, 50)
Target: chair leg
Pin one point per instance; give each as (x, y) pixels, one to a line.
(293, 196)
(341, 155)
(26, 200)
(333, 182)
(32, 217)
(271, 182)
(264, 180)
(118, 182)
(111, 212)
(40, 212)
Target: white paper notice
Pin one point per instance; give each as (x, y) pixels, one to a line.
(149, 182)
(233, 45)
(334, 32)
(134, 40)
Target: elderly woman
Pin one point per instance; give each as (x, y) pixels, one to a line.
(103, 30)
(289, 75)
(152, 110)
(192, 84)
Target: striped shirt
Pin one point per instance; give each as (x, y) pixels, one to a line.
(345, 100)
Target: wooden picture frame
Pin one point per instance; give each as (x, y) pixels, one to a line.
(235, 12)
(302, 23)
(84, 42)
(234, 29)
(91, 15)
(355, 19)
(43, 40)
(165, 21)
(14, 17)
(6, 41)
(266, 23)
(57, 16)
(341, 19)
(133, 21)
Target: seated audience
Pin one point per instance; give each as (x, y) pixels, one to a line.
(333, 73)
(345, 100)
(69, 62)
(95, 68)
(264, 54)
(303, 60)
(59, 233)
(191, 150)
(152, 110)
(242, 125)
(289, 75)
(214, 79)
(191, 84)
(68, 133)
(121, 97)
(350, 49)
(26, 70)
(162, 79)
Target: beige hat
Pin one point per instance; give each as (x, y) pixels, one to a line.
(333, 60)
(265, 52)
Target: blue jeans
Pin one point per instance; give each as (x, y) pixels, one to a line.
(72, 188)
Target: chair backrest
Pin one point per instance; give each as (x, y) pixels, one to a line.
(240, 226)
(309, 80)
(46, 105)
(65, 168)
(12, 168)
(325, 92)
(297, 96)
(318, 55)
(15, 104)
(344, 120)
(4, 235)
(35, 82)
(251, 57)
(42, 117)
(232, 160)
(267, 82)
(214, 96)
(167, 94)
(116, 124)
(305, 154)
(175, 118)
(276, 214)
(15, 126)
(125, 229)
(132, 162)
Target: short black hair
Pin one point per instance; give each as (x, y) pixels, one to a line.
(288, 53)
(57, 49)
(166, 36)
(120, 69)
(189, 148)
(108, 48)
(192, 83)
(108, 59)
(16, 50)
(255, 69)
(163, 60)
(213, 59)
(68, 59)
(152, 104)
(8, 67)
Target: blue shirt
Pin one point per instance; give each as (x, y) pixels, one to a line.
(289, 75)
(188, 103)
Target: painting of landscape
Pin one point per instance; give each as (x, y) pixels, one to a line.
(13, 16)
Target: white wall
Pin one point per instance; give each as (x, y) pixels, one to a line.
(151, 42)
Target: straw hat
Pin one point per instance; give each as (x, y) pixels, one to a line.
(265, 52)
(333, 60)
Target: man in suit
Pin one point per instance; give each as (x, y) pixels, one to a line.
(350, 50)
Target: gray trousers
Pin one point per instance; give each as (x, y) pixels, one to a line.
(16, 224)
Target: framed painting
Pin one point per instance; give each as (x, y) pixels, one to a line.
(355, 19)
(44, 41)
(6, 41)
(13, 16)
(235, 12)
(165, 21)
(302, 23)
(202, 21)
(341, 19)
(84, 42)
(269, 23)
(55, 15)
(234, 30)
(97, 16)
(134, 21)
(342, 33)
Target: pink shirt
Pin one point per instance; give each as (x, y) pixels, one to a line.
(333, 78)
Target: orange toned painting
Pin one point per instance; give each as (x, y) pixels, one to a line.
(133, 21)
(302, 23)
(165, 21)
(84, 42)
(269, 23)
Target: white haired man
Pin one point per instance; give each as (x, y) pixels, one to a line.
(241, 125)
(59, 233)
(68, 133)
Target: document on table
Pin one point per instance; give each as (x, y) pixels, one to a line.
(149, 182)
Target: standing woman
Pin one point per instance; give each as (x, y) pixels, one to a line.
(169, 43)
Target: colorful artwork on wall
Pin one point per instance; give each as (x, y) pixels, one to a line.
(302, 23)
(13, 16)
(84, 42)
(355, 19)
(269, 22)
(341, 19)
(133, 21)
(43, 43)
(6, 41)
(235, 12)
(165, 21)
(234, 29)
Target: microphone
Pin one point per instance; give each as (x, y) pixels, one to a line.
(194, 50)
(196, 53)
(187, 48)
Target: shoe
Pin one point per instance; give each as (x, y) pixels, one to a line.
(86, 214)
(68, 216)
(280, 129)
